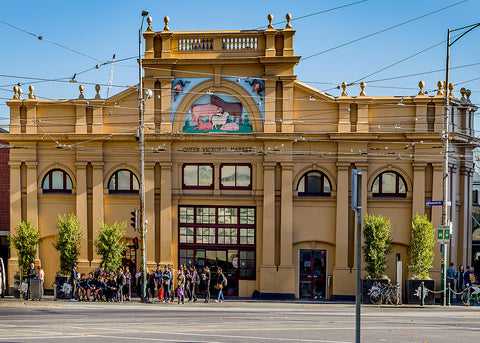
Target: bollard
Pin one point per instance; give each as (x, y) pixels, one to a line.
(449, 294)
(55, 291)
(422, 294)
(468, 294)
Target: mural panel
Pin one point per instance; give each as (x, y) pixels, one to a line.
(217, 112)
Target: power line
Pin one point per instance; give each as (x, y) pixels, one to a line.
(381, 31)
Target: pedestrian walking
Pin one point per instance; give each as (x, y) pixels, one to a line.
(127, 289)
(74, 281)
(166, 276)
(208, 276)
(180, 286)
(451, 279)
(221, 283)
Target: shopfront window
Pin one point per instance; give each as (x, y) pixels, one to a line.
(219, 237)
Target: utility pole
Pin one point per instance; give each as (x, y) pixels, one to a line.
(141, 142)
(357, 208)
(446, 144)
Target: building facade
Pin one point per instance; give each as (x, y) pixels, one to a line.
(246, 167)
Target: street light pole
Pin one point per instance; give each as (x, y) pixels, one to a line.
(141, 142)
(446, 143)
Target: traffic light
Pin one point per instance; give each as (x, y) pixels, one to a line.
(134, 220)
(135, 243)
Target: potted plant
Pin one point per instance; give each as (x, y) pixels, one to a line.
(420, 250)
(68, 244)
(25, 242)
(109, 245)
(377, 244)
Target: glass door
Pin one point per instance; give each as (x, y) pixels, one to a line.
(312, 272)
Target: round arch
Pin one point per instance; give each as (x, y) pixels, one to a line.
(58, 166)
(118, 167)
(387, 168)
(314, 167)
(226, 86)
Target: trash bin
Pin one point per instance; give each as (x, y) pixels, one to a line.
(36, 289)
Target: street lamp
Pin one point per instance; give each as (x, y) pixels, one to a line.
(446, 138)
(141, 142)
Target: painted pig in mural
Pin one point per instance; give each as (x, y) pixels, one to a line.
(203, 111)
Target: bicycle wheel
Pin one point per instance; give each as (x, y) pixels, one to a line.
(376, 298)
(465, 298)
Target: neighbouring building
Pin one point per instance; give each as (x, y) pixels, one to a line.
(4, 200)
(245, 167)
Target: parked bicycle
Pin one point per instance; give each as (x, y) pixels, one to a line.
(471, 295)
(385, 294)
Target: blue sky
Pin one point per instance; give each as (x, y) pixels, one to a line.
(100, 29)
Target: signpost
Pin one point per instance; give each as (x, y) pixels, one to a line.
(444, 234)
(434, 203)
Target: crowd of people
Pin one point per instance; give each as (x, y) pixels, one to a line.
(459, 280)
(117, 287)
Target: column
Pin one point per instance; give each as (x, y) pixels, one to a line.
(268, 269)
(287, 122)
(269, 124)
(166, 213)
(362, 119)
(453, 183)
(81, 212)
(150, 212)
(15, 214)
(418, 202)
(32, 201)
(97, 203)
(342, 284)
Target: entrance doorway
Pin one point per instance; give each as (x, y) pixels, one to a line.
(313, 268)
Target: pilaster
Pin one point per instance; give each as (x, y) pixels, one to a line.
(80, 116)
(150, 210)
(418, 202)
(98, 212)
(166, 256)
(287, 122)
(270, 97)
(32, 187)
(81, 211)
(15, 213)
(166, 105)
(31, 124)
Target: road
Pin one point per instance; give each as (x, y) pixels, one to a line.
(233, 321)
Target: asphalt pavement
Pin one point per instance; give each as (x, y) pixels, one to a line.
(236, 320)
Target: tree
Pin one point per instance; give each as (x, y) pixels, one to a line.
(421, 247)
(377, 245)
(25, 242)
(110, 246)
(68, 242)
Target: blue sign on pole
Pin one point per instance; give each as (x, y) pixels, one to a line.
(434, 203)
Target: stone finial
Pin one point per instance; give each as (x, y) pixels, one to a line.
(19, 93)
(288, 17)
(450, 88)
(440, 88)
(463, 91)
(421, 85)
(30, 95)
(362, 87)
(468, 93)
(81, 89)
(166, 20)
(344, 87)
(149, 21)
(270, 18)
(15, 92)
(97, 89)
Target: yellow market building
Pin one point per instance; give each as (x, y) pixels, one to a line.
(245, 167)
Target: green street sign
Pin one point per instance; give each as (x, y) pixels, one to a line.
(446, 234)
(440, 234)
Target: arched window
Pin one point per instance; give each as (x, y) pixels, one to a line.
(389, 184)
(314, 183)
(57, 181)
(123, 181)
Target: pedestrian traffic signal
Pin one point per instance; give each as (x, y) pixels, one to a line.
(134, 220)
(135, 243)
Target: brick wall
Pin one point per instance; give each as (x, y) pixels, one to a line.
(4, 188)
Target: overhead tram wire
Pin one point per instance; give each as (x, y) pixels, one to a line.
(49, 41)
(313, 14)
(381, 31)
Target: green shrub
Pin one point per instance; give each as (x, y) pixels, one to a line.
(421, 247)
(25, 242)
(68, 242)
(377, 245)
(109, 245)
